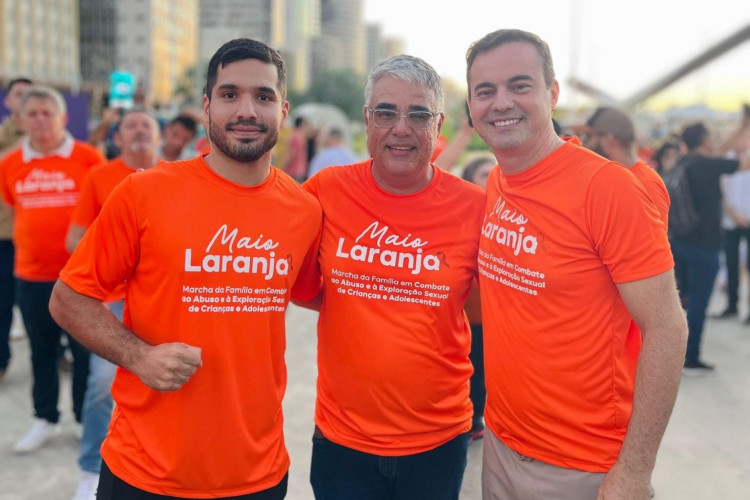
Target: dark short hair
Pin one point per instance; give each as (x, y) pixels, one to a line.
(240, 49)
(694, 135)
(663, 150)
(187, 122)
(502, 37)
(19, 80)
(299, 121)
(471, 167)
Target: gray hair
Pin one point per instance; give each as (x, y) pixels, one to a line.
(409, 69)
(42, 92)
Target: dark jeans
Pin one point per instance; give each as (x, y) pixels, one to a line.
(112, 487)
(477, 390)
(7, 289)
(341, 473)
(701, 266)
(44, 338)
(732, 240)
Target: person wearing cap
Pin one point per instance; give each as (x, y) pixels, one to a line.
(610, 133)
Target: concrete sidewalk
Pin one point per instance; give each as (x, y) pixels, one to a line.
(705, 453)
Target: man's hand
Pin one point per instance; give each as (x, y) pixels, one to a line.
(167, 367)
(620, 484)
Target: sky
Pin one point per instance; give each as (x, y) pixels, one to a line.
(619, 47)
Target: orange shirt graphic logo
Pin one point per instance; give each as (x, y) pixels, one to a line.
(242, 264)
(371, 250)
(513, 237)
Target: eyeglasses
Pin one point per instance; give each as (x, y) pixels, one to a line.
(387, 118)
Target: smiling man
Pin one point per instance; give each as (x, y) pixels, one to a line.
(211, 249)
(571, 249)
(397, 255)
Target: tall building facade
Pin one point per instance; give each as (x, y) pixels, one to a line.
(224, 20)
(98, 22)
(157, 41)
(39, 40)
(341, 43)
(302, 25)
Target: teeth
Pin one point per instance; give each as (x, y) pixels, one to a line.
(400, 148)
(502, 123)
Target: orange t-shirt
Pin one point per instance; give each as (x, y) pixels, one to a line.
(212, 264)
(97, 186)
(43, 194)
(654, 186)
(393, 341)
(560, 356)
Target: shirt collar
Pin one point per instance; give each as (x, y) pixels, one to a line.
(64, 150)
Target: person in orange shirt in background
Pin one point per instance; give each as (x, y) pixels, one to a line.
(571, 250)
(610, 133)
(41, 182)
(295, 160)
(397, 255)
(212, 249)
(137, 137)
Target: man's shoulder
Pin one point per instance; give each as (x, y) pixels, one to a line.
(459, 187)
(15, 157)
(644, 173)
(341, 173)
(85, 148)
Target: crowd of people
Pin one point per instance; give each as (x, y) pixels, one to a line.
(536, 296)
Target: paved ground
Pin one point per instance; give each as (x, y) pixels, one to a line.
(705, 453)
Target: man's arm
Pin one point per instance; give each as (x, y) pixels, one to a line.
(163, 367)
(75, 233)
(98, 136)
(453, 151)
(654, 305)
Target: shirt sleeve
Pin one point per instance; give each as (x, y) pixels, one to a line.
(5, 192)
(625, 226)
(109, 251)
(87, 207)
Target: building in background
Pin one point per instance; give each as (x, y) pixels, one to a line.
(341, 43)
(224, 20)
(39, 40)
(378, 47)
(157, 41)
(302, 25)
(98, 27)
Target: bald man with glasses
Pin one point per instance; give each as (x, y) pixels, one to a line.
(397, 257)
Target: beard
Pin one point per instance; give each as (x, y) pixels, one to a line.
(247, 150)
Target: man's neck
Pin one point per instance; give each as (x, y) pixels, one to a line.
(243, 173)
(46, 147)
(140, 161)
(170, 154)
(627, 158)
(402, 185)
(515, 161)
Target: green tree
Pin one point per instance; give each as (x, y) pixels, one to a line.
(342, 87)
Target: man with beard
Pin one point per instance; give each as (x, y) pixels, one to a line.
(137, 137)
(211, 249)
(610, 133)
